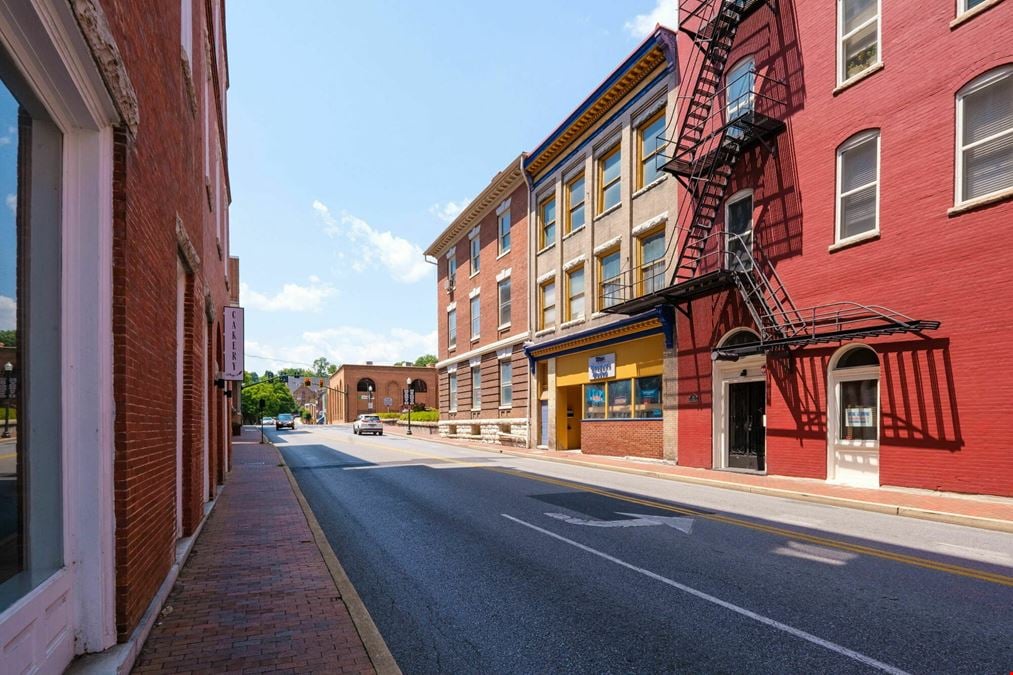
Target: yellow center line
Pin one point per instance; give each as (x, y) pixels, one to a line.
(959, 570)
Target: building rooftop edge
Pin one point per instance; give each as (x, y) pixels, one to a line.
(498, 188)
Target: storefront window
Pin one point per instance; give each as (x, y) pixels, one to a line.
(620, 403)
(594, 401)
(647, 397)
(857, 373)
(30, 240)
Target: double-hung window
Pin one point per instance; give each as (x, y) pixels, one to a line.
(548, 305)
(503, 291)
(858, 37)
(610, 281)
(503, 227)
(858, 186)
(452, 388)
(452, 328)
(575, 294)
(506, 387)
(609, 178)
(476, 387)
(476, 254)
(476, 316)
(964, 6)
(451, 273)
(547, 220)
(575, 204)
(651, 145)
(985, 135)
(652, 262)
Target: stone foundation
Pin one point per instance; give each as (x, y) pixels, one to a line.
(503, 430)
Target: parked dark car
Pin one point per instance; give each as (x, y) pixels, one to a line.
(284, 420)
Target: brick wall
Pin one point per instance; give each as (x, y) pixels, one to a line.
(389, 381)
(941, 394)
(633, 438)
(159, 178)
(490, 397)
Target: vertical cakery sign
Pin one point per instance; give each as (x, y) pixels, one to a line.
(235, 361)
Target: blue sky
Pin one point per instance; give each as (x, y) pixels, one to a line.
(357, 129)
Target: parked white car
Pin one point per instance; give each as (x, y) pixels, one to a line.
(367, 424)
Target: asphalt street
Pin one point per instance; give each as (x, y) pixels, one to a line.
(475, 562)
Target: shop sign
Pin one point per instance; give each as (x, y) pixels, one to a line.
(601, 367)
(234, 353)
(859, 417)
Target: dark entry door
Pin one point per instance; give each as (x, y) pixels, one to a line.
(746, 433)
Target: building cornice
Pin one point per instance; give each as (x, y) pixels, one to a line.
(498, 189)
(491, 347)
(654, 51)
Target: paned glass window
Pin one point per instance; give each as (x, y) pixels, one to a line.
(609, 183)
(476, 316)
(476, 254)
(504, 301)
(452, 388)
(594, 401)
(575, 301)
(858, 37)
(476, 388)
(620, 399)
(652, 267)
(985, 135)
(506, 387)
(503, 224)
(452, 328)
(547, 218)
(610, 285)
(647, 397)
(575, 204)
(651, 144)
(858, 186)
(548, 305)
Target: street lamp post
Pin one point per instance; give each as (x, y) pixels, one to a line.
(369, 401)
(408, 381)
(7, 400)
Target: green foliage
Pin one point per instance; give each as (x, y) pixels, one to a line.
(321, 367)
(276, 397)
(389, 415)
(296, 372)
(426, 360)
(423, 416)
(9, 338)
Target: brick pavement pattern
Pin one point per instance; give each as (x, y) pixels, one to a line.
(255, 595)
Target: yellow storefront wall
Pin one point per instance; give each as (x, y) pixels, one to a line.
(636, 358)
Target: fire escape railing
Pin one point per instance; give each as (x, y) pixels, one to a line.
(721, 120)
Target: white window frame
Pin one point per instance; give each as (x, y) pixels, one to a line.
(476, 387)
(452, 330)
(452, 391)
(475, 255)
(735, 199)
(506, 384)
(475, 317)
(499, 231)
(851, 143)
(963, 9)
(834, 379)
(841, 37)
(500, 304)
(735, 111)
(977, 84)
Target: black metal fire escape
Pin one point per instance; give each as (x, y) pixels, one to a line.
(751, 112)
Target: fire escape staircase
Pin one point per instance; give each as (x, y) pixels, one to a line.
(706, 150)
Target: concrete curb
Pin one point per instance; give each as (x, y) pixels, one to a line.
(979, 522)
(376, 647)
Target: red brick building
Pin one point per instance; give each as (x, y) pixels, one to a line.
(117, 173)
(356, 389)
(482, 313)
(845, 192)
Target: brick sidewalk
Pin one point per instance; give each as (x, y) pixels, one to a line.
(981, 511)
(255, 595)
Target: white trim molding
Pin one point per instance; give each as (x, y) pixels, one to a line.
(504, 274)
(451, 252)
(545, 277)
(474, 232)
(650, 224)
(570, 264)
(451, 306)
(492, 346)
(606, 245)
(474, 292)
(475, 362)
(503, 206)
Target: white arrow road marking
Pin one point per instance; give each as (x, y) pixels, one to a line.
(767, 621)
(638, 520)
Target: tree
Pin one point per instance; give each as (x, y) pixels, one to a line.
(426, 360)
(296, 372)
(276, 397)
(331, 369)
(321, 367)
(9, 338)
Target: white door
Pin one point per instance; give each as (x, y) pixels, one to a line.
(853, 418)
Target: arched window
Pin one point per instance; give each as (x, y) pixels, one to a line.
(365, 384)
(419, 385)
(858, 186)
(854, 377)
(985, 135)
(739, 336)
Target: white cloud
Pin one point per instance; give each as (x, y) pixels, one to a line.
(9, 313)
(12, 203)
(344, 344)
(665, 12)
(450, 210)
(371, 248)
(292, 297)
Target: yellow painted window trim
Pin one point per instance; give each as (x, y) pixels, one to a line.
(570, 207)
(641, 159)
(659, 229)
(569, 296)
(602, 187)
(541, 303)
(541, 221)
(599, 299)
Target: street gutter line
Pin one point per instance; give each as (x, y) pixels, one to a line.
(808, 637)
(992, 577)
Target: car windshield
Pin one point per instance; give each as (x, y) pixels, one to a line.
(285, 417)
(370, 418)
